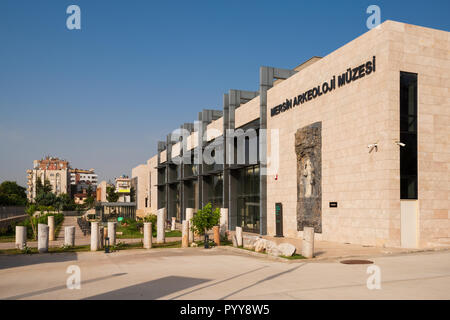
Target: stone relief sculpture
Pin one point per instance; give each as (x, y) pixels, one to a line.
(308, 148)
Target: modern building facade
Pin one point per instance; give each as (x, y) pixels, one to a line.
(53, 169)
(123, 188)
(355, 144)
(80, 175)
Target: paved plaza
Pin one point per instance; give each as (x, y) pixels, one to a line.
(220, 273)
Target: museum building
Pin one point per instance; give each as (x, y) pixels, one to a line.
(355, 144)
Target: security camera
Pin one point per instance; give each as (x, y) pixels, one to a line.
(373, 146)
(401, 144)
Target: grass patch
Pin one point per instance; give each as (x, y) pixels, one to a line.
(173, 244)
(295, 256)
(128, 233)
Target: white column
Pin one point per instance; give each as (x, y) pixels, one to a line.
(160, 226)
(94, 236)
(185, 234)
(51, 228)
(189, 216)
(239, 236)
(308, 242)
(223, 221)
(172, 227)
(21, 237)
(147, 235)
(112, 232)
(42, 238)
(69, 236)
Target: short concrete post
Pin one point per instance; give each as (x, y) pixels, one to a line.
(94, 236)
(308, 242)
(223, 221)
(239, 236)
(21, 237)
(147, 235)
(160, 226)
(216, 235)
(185, 234)
(172, 227)
(101, 233)
(189, 216)
(51, 228)
(69, 236)
(42, 238)
(112, 232)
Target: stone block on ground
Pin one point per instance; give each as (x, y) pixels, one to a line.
(249, 242)
(286, 249)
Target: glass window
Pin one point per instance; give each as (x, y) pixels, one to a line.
(408, 135)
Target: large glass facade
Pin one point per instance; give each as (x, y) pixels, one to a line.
(215, 192)
(248, 198)
(408, 135)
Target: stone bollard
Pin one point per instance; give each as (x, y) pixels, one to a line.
(69, 236)
(185, 234)
(160, 226)
(239, 236)
(174, 220)
(189, 216)
(112, 233)
(51, 228)
(42, 238)
(21, 237)
(308, 242)
(216, 235)
(148, 235)
(94, 236)
(223, 221)
(101, 235)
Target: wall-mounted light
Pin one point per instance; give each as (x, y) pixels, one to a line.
(372, 147)
(399, 143)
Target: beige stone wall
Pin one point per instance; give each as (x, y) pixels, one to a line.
(214, 129)
(366, 185)
(427, 52)
(152, 181)
(247, 112)
(141, 172)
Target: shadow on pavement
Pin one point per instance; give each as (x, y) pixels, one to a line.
(150, 290)
(19, 260)
(43, 291)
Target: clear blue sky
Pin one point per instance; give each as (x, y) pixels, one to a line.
(103, 96)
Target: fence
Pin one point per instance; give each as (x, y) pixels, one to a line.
(11, 211)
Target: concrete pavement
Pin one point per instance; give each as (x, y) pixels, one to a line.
(195, 273)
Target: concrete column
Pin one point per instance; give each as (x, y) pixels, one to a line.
(172, 227)
(51, 228)
(21, 237)
(43, 237)
(69, 236)
(160, 226)
(189, 216)
(147, 235)
(185, 234)
(112, 232)
(308, 242)
(101, 233)
(239, 236)
(216, 235)
(94, 236)
(223, 221)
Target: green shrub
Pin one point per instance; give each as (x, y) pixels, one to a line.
(205, 219)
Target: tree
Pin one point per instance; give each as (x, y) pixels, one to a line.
(205, 219)
(45, 188)
(65, 202)
(11, 194)
(30, 210)
(89, 201)
(111, 194)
